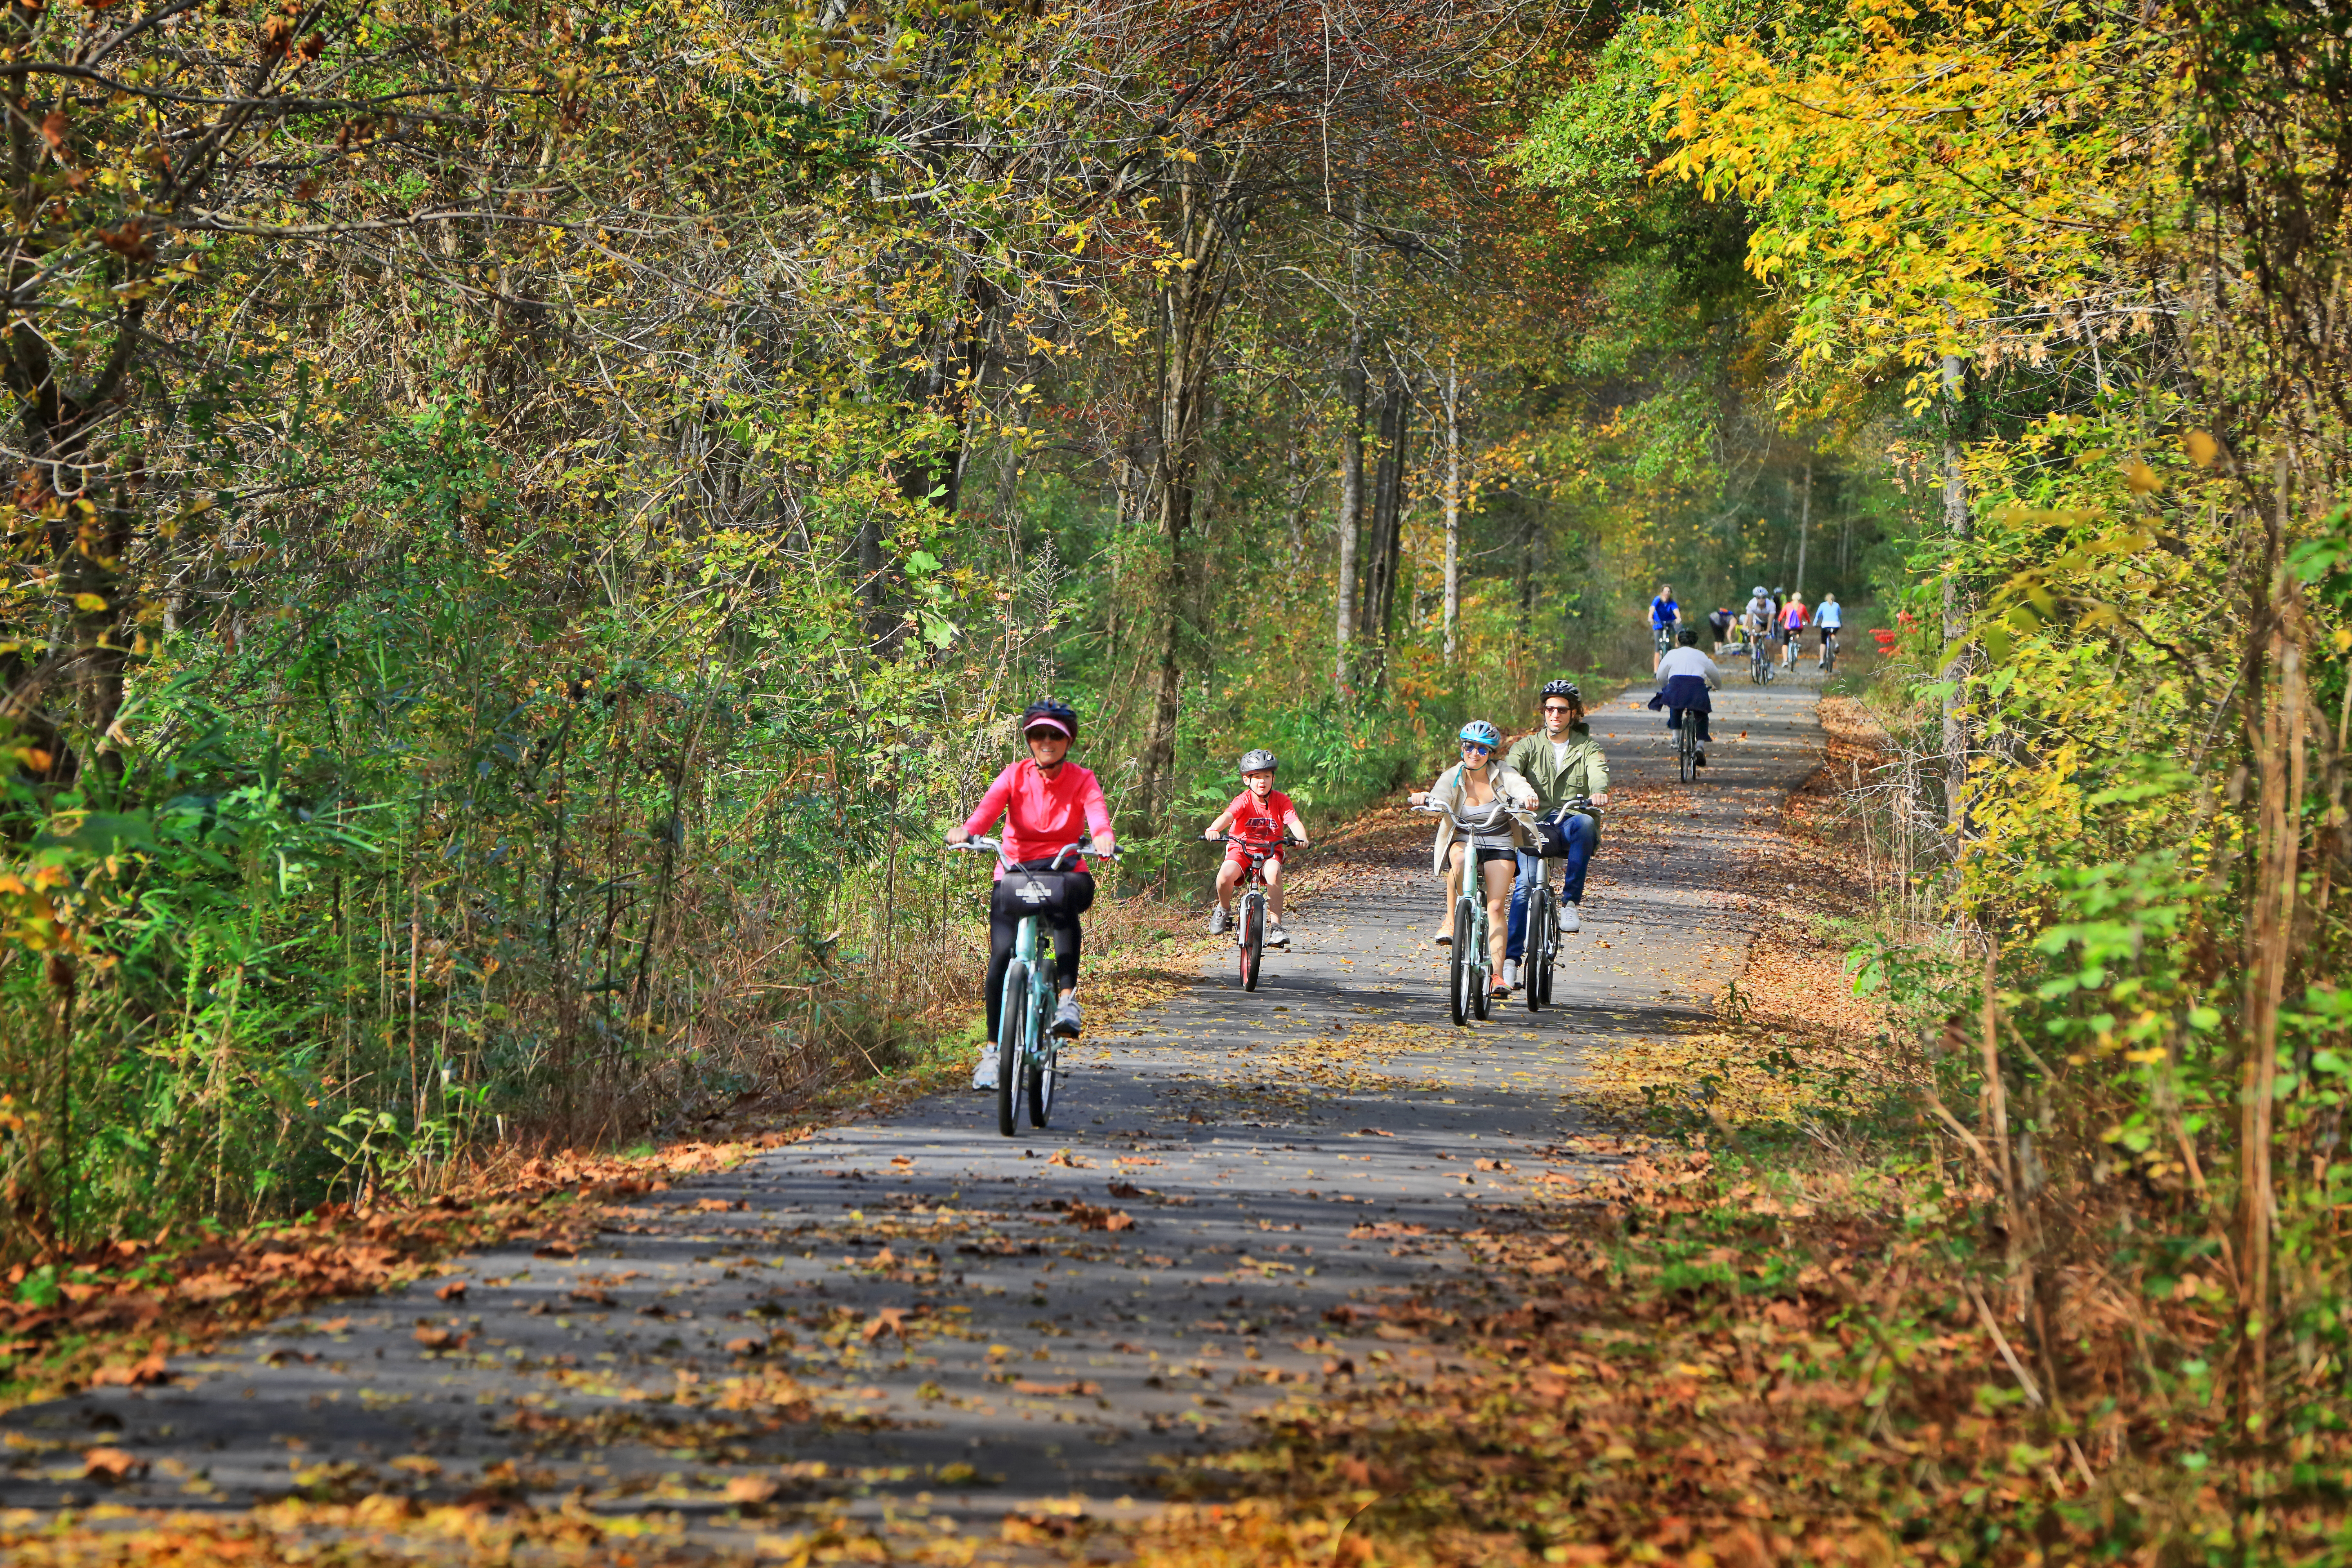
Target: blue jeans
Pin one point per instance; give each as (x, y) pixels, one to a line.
(1675, 721)
(1583, 837)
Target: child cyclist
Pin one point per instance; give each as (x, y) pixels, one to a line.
(1259, 816)
(1047, 802)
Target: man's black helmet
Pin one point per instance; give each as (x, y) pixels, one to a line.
(1048, 714)
(1258, 761)
(1563, 688)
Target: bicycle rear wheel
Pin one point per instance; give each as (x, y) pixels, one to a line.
(1253, 942)
(1460, 975)
(1012, 1041)
(1686, 748)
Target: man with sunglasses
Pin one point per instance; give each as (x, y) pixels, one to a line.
(1561, 762)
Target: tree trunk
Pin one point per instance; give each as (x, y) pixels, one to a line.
(1351, 462)
(1191, 297)
(1804, 528)
(1388, 520)
(1351, 495)
(1452, 508)
(1956, 618)
(2279, 746)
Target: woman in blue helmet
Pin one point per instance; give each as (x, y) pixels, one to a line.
(1477, 794)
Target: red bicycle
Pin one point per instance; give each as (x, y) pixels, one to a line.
(1249, 932)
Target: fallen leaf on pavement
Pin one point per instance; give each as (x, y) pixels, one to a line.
(886, 1320)
(718, 1206)
(749, 1344)
(453, 1291)
(1063, 1157)
(1375, 1132)
(1056, 1390)
(593, 1295)
(148, 1369)
(434, 1339)
(556, 1249)
(418, 1465)
(1099, 1216)
(752, 1489)
(112, 1466)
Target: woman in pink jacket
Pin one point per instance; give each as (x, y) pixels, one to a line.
(1047, 802)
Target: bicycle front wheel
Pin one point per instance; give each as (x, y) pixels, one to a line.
(1536, 955)
(1253, 942)
(1461, 974)
(1481, 976)
(1012, 1041)
(1045, 1076)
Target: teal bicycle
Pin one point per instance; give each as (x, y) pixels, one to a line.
(1469, 966)
(1029, 1054)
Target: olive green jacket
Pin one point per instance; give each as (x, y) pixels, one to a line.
(1586, 770)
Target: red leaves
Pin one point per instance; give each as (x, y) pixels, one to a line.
(128, 242)
(453, 1291)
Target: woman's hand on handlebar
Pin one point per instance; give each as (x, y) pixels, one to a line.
(958, 836)
(1418, 797)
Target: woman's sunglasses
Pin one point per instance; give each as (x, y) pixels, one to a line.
(1475, 747)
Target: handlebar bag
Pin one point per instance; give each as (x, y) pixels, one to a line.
(1042, 892)
(1551, 839)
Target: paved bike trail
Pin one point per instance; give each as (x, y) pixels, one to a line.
(937, 1324)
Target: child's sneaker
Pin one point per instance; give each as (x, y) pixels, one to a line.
(983, 1076)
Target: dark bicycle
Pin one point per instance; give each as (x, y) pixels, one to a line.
(1249, 930)
(1539, 947)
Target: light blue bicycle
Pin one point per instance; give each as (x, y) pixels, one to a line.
(1029, 1054)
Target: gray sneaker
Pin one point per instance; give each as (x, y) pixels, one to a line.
(1568, 920)
(1220, 921)
(1276, 936)
(1066, 1019)
(983, 1076)
(1511, 972)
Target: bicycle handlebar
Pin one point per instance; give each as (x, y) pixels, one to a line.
(1285, 841)
(1081, 846)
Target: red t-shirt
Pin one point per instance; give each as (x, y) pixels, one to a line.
(1042, 815)
(1261, 824)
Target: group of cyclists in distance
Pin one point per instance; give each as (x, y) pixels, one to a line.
(1775, 618)
(1502, 816)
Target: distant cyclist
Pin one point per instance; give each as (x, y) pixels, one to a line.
(1830, 619)
(1721, 622)
(1047, 802)
(1259, 817)
(1561, 762)
(1686, 677)
(1792, 629)
(1664, 617)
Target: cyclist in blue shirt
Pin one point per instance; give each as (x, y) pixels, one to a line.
(1665, 616)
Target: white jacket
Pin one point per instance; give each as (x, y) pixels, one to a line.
(1509, 786)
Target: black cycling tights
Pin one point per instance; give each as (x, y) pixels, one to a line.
(1005, 914)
